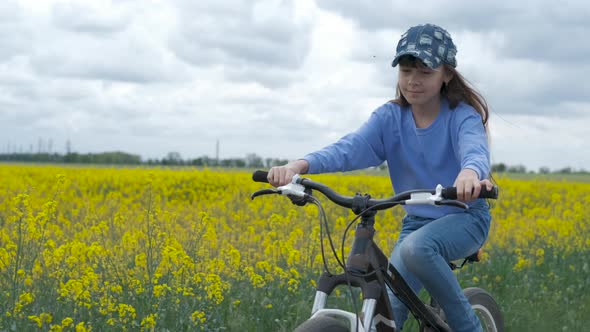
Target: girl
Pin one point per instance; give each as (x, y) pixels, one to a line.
(433, 132)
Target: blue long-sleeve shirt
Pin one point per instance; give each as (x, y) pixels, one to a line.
(418, 158)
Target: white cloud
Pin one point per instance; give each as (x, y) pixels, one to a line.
(92, 17)
(15, 33)
(112, 41)
(261, 42)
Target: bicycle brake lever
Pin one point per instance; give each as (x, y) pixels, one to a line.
(452, 202)
(264, 192)
(296, 192)
(292, 189)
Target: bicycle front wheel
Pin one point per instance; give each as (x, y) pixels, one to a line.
(486, 309)
(322, 324)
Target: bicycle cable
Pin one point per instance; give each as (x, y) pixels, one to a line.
(350, 225)
(324, 224)
(365, 274)
(351, 290)
(355, 305)
(342, 263)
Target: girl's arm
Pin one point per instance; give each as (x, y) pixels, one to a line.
(473, 152)
(357, 150)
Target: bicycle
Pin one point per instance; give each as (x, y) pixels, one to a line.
(369, 270)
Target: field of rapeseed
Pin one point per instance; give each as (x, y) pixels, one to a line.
(105, 249)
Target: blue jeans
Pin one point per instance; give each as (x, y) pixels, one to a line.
(421, 255)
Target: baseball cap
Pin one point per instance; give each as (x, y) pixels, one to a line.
(429, 43)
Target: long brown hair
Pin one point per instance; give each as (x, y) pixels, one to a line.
(458, 89)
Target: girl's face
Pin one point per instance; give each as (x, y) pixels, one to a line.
(419, 84)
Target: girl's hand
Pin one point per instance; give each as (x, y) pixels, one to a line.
(468, 185)
(282, 175)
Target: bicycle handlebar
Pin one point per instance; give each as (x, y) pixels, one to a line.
(260, 176)
(438, 196)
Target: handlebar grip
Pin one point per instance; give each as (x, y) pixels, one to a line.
(260, 176)
(451, 192)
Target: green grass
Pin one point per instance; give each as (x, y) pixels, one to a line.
(553, 296)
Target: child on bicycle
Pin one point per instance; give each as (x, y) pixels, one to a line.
(433, 132)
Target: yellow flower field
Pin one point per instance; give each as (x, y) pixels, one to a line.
(147, 249)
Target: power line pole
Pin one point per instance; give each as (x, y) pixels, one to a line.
(217, 152)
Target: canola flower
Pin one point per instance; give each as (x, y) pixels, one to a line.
(114, 249)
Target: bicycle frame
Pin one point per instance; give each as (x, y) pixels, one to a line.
(369, 269)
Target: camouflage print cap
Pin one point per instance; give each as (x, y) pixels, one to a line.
(429, 43)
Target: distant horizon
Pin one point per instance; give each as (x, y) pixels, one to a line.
(143, 159)
(43, 144)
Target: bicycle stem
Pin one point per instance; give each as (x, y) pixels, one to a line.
(358, 258)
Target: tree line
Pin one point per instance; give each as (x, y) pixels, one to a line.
(251, 160)
(503, 168)
(122, 158)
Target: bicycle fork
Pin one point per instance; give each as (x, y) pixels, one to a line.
(362, 271)
(370, 313)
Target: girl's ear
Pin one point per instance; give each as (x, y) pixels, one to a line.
(448, 76)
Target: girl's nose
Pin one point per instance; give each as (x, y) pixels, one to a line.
(413, 81)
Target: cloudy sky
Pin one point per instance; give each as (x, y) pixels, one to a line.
(278, 78)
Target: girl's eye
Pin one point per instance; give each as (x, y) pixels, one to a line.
(427, 72)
